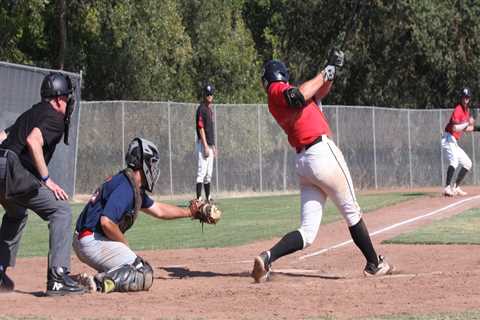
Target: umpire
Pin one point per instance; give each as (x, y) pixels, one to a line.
(25, 152)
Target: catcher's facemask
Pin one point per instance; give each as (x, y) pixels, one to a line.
(143, 154)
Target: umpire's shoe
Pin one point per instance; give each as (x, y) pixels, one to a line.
(6, 284)
(59, 283)
(261, 267)
(381, 269)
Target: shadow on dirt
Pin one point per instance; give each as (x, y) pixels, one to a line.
(181, 272)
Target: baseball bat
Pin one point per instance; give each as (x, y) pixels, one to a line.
(350, 27)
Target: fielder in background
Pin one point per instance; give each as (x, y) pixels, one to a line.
(205, 146)
(25, 152)
(99, 239)
(460, 121)
(320, 165)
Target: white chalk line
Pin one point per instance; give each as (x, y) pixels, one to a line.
(393, 226)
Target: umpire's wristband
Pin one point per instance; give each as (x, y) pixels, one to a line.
(44, 179)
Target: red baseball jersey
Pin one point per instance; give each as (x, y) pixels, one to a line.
(302, 125)
(459, 116)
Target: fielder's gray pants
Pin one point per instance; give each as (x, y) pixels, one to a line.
(56, 212)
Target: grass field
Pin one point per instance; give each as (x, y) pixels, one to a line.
(244, 220)
(460, 229)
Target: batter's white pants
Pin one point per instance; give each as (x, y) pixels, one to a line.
(205, 165)
(454, 153)
(323, 173)
(101, 253)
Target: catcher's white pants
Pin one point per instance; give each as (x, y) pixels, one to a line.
(323, 173)
(454, 153)
(101, 253)
(205, 165)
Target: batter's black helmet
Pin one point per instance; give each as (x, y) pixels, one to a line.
(143, 155)
(208, 90)
(56, 84)
(274, 71)
(466, 92)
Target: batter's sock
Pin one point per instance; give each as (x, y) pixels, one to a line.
(206, 186)
(450, 172)
(461, 175)
(199, 190)
(290, 242)
(362, 239)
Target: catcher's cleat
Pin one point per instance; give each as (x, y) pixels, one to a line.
(381, 269)
(448, 191)
(6, 284)
(459, 191)
(261, 267)
(59, 283)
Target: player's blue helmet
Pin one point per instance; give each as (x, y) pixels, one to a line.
(466, 92)
(274, 71)
(208, 90)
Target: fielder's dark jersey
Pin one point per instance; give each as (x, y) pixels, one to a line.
(114, 198)
(50, 123)
(204, 119)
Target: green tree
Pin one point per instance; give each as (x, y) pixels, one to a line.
(136, 50)
(223, 50)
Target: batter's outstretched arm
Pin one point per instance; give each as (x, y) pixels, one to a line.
(311, 87)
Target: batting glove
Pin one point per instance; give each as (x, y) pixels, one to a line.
(329, 72)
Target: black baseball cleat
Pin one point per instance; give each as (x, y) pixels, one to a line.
(383, 268)
(59, 283)
(6, 284)
(261, 267)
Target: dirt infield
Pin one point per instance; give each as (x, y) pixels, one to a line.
(215, 283)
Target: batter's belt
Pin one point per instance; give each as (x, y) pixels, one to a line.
(307, 146)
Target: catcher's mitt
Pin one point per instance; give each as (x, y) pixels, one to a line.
(204, 211)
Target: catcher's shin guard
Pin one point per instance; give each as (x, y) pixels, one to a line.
(128, 277)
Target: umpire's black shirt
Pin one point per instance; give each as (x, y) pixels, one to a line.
(51, 124)
(204, 120)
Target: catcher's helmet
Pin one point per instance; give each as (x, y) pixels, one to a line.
(143, 155)
(466, 92)
(208, 90)
(56, 84)
(274, 71)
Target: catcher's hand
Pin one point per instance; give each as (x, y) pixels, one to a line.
(204, 211)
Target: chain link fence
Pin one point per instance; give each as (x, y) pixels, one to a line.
(19, 90)
(384, 148)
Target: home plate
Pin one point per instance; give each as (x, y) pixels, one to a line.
(307, 273)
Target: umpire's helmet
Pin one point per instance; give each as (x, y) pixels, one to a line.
(143, 155)
(56, 84)
(208, 90)
(466, 92)
(274, 71)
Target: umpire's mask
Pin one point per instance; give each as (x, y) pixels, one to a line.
(143, 155)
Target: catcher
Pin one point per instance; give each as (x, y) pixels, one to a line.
(99, 239)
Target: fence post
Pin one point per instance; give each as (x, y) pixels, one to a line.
(409, 149)
(259, 135)
(441, 149)
(216, 145)
(374, 149)
(170, 147)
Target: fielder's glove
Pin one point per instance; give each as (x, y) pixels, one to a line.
(204, 211)
(336, 58)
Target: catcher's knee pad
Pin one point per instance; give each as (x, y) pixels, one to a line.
(128, 277)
